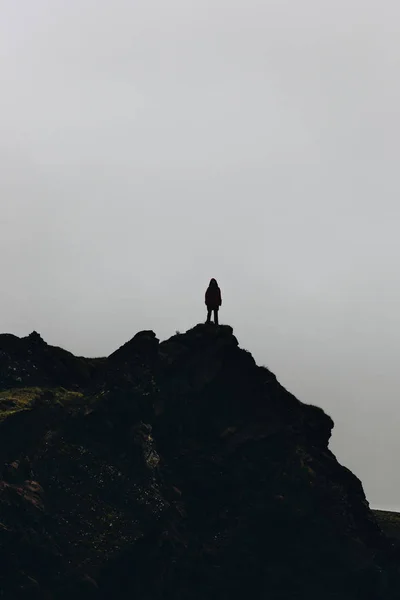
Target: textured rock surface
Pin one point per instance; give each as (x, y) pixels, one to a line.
(176, 470)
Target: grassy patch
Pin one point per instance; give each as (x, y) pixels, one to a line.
(19, 399)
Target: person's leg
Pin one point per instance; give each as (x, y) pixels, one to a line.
(208, 315)
(216, 316)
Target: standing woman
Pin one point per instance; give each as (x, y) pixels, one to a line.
(213, 301)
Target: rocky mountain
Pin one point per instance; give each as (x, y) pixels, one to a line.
(175, 470)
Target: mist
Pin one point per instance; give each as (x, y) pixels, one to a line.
(148, 146)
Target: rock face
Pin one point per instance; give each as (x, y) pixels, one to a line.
(30, 361)
(175, 470)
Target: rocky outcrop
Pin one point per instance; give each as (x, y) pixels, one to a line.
(30, 361)
(182, 470)
(142, 347)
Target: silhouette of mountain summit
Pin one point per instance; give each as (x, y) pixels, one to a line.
(175, 470)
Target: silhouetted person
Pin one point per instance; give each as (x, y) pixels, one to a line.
(213, 300)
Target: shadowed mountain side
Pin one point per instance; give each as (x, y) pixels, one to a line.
(389, 522)
(175, 470)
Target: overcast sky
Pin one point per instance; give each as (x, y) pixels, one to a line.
(149, 145)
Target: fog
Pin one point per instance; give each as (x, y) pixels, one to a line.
(149, 145)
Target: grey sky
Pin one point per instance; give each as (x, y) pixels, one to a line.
(148, 145)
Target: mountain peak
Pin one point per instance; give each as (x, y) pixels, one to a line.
(162, 469)
(35, 337)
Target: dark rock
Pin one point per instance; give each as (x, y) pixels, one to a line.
(144, 346)
(30, 361)
(35, 338)
(17, 471)
(182, 464)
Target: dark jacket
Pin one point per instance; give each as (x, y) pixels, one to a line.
(213, 295)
